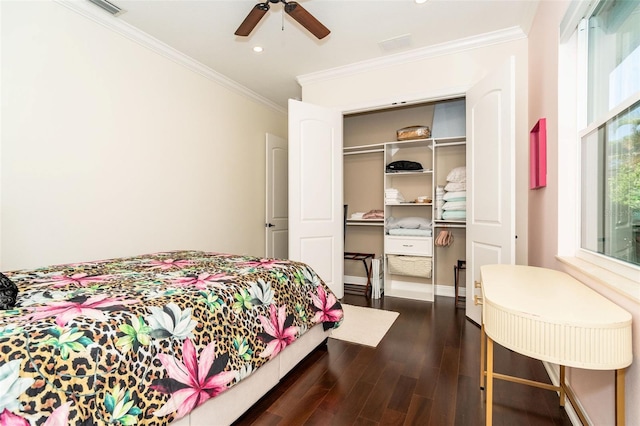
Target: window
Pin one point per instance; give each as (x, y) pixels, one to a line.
(613, 56)
(610, 145)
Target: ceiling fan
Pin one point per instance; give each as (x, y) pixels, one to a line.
(292, 8)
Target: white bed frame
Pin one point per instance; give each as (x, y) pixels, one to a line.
(230, 405)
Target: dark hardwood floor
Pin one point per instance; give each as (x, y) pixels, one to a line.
(424, 372)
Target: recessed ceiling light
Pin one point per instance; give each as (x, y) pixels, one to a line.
(421, 1)
(257, 49)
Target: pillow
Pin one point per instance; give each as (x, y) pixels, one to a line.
(455, 205)
(454, 214)
(455, 196)
(8, 292)
(408, 223)
(456, 186)
(458, 174)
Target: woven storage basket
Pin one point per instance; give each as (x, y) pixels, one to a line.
(413, 266)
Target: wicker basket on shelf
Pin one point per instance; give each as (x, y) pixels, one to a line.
(412, 266)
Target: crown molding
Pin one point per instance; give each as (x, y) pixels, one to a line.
(456, 46)
(111, 22)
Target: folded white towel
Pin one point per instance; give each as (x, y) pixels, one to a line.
(393, 200)
(393, 196)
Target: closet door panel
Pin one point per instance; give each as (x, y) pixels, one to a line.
(317, 202)
(490, 176)
(316, 218)
(487, 179)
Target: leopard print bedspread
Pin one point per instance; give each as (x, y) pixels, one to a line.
(146, 339)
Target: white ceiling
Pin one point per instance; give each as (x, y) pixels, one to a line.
(204, 30)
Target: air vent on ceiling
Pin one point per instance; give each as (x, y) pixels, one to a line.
(109, 7)
(396, 43)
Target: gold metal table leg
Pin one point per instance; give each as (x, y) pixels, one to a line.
(489, 389)
(486, 369)
(620, 397)
(483, 351)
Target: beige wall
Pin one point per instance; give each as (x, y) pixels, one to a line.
(594, 389)
(109, 149)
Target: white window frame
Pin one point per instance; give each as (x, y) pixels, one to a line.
(572, 119)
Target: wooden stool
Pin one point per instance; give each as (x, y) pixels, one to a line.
(461, 265)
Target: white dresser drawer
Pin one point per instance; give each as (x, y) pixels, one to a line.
(417, 246)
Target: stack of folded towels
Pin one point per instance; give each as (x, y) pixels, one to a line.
(455, 195)
(392, 196)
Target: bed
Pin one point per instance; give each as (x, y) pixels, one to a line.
(187, 336)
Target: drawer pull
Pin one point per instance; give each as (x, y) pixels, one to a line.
(407, 245)
(477, 284)
(477, 300)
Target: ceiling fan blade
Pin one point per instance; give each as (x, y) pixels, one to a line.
(252, 19)
(306, 19)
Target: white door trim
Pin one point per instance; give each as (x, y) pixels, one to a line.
(276, 198)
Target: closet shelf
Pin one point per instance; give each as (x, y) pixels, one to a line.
(408, 204)
(449, 223)
(363, 149)
(430, 142)
(451, 141)
(365, 222)
(422, 172)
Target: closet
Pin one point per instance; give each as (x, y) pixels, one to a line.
(404, 240)
(316, 186)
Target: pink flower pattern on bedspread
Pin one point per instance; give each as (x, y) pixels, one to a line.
(328, 309)
(278, 331)
(144, 340)
(92, 307)
(192, 381)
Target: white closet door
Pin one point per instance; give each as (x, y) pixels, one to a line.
(315, 191)
(490, 176)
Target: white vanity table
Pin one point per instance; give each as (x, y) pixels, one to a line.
(548, 315)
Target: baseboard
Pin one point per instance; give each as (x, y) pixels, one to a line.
(553, 370)
(441, 290)
(353, 279)
(449, 291)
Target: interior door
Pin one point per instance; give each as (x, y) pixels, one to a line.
(277, 200)
(490, 176)
(315, 191)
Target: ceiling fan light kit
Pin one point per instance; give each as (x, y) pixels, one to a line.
(293, 9)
